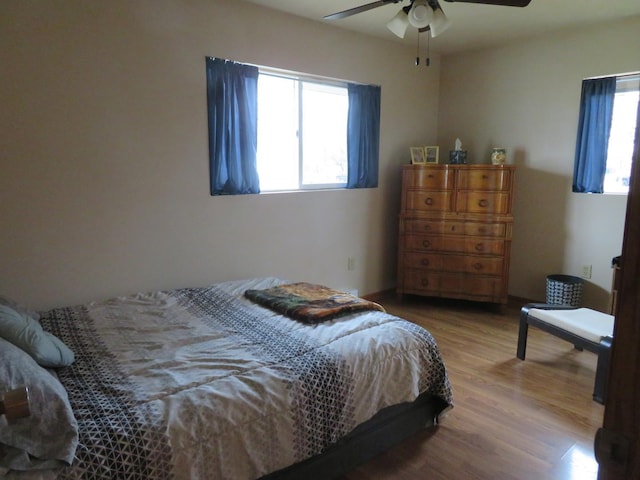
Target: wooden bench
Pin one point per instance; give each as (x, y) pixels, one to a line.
(583, 327)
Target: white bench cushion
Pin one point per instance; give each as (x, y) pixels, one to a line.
(583, 322)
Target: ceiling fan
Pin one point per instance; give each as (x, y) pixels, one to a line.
(422, 14)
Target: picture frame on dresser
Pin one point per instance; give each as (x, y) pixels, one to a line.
(417, 155)
(431, 154)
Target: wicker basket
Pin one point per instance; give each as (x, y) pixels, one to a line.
(564, 290)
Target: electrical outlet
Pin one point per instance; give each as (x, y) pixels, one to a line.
(351, 263)
(586, 271)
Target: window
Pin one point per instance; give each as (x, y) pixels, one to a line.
(302, 133)
(621, 138)
(606, 133)
(273, 131)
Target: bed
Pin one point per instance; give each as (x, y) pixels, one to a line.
(206, 383)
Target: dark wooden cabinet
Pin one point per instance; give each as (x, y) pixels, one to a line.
(455, 231)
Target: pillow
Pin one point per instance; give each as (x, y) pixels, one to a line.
(49, 436)
(21, 309)
(27, 334)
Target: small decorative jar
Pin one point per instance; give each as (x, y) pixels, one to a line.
(498, 156)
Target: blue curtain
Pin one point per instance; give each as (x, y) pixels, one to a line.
(594, 126)
(232, 101)
(363, 136)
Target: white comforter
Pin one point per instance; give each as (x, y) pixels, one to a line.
(203, 384)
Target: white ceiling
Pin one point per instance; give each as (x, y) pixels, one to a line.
(473, 25)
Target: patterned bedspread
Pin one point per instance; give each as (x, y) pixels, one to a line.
(202, 383)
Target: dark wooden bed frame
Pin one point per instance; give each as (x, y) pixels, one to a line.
(384, 430)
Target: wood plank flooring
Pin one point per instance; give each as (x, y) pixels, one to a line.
(512, 419)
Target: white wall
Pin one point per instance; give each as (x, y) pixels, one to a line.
(524, 97)
(104, 183)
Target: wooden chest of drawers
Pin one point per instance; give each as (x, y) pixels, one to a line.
(455, 231)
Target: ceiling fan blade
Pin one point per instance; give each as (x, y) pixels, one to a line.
(360, 9)
(505, 3)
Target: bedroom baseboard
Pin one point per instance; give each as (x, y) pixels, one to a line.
(513, 301)
(376, 296)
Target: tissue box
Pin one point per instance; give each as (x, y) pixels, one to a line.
(457, 157)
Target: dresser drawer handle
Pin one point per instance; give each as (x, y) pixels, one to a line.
(453, 228)
(482, 230)
(428, 201)
(426, 243)
(480, 247)
(477, 266)
(483, 203)
(427, 226)
(485, 177)
(424, 262)
(424, 282)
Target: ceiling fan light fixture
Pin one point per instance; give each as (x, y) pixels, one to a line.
(421, 14)
(439, 23)
(399, 24)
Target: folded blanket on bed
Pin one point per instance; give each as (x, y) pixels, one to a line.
(309, 303)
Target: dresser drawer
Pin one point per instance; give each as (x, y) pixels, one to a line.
(483, 288)
(485, 265)
(421, 201)
(485, 229)
(483, 202)
(453, 244)
(474, 286)
(485, 179)
(420, 225)
(416, 281)
(438, 178)
(452, 227)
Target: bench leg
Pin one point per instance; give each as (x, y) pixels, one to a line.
(522, 336)
(602, 371)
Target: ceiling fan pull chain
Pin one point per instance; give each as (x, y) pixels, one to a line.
(427, 60)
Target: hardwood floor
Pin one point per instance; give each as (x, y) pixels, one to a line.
(512, 419)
